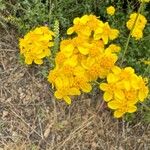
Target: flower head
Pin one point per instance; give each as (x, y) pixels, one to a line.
(110, 10)
(90, 27)
(123, 90)
(106, 33)
(139, 22)
(35, 45)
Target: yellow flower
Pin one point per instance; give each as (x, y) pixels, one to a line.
(65, 93)
(82, 45)
(110, 10)
(111, 88)
(139, 26)
(143, 89)
(87, 62)
(123, 90)
(106, 62)
(140, 23)
(35, 45)
(113, 48)
(88, 27)
(121, 107)
(105, 33)
(84, 26)
(65, 89)
(137, 33)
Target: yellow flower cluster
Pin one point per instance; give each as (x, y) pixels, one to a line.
(90, 26)
(123, 90)
(110, 10)
(35, 45)
(83, 58)
(139, 26)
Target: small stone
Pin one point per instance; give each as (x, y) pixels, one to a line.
(14, 136)
(5, 113)
(8, 99)
(20, 90)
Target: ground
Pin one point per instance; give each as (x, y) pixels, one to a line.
(31, 119)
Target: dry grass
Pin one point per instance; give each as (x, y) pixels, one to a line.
(30, 118)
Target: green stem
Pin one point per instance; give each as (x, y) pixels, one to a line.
(128, 39)
(50, 11)
(96, 82)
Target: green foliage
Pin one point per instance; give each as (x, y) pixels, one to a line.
(2, 19)
(2, 5)
(57, 37)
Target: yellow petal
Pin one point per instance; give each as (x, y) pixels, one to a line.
(65, 81)
(28, 60)
(79, 71)
(70, 30)
(127, 85)
(107, 96)
(83, 50)
(58, 82)
(71, 61)
(58, 95)
(97, 36)
(98, 30)
(76, 20)
(47, 52)
(67, 100)
(84, 19)
(86, 88)
(113, 104)
(116, 70)
(141, 95)
(114, 34)
(118, 113)
(119, 94)
(129, 69)
(103, 86)
(68, 50)
(74, 91)
(38, 61)
(86, 31)
(131, 109)
(111, 78)
(105, 39)
(87, 63)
